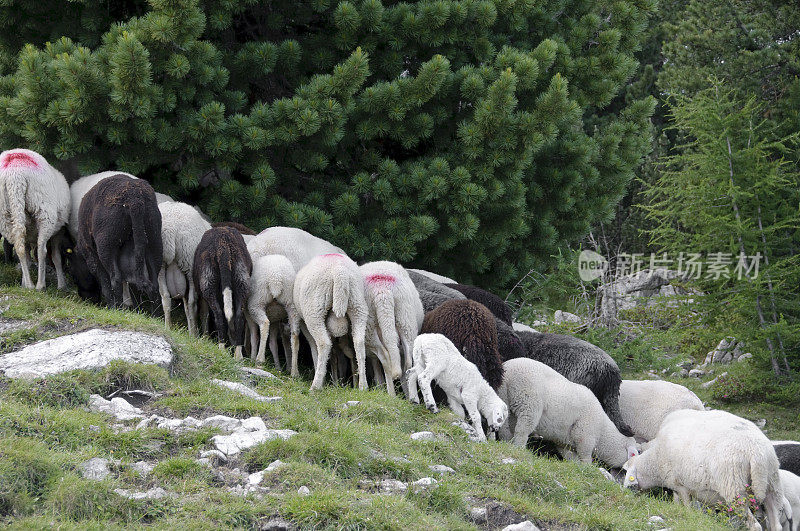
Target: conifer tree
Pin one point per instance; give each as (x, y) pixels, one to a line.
(472, 137)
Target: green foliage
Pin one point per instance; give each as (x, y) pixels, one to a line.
(27, 472)
(472, 137)
(749, 383)
(53, 391)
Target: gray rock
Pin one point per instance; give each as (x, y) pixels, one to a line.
(252, 431)
(745, 356)
(393, 485)
(478, 514)
(655, 520)
(92, 349)
(709, 383)
(205, 461)
(10, 325)
(729, 349)
(527, 525)
(260, 373)
(257, 477)
(214, 456)
(277, 524)
(152, 494)
(117, 407)
(95, 468)
(760, 423)
(441, 469)
(303, 491)
(351, 403)
(143, 468)
(696, 373)
(423, 436)
(243, 390)
(647, 288)
(222, 422)
(508, 460)
(565, 317)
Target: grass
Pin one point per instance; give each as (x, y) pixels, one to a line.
(339, 452)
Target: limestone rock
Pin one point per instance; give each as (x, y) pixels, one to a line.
(640, 289)
(527, 525)
(252, 431)
(92, 349)
(655, 520)
(441, 469)
(565, 317)
(423, 436)
(243, 390)
(728, 350)
(117, 407)
(393, 485)
(260, 373)
(709, 383)
(143, 468)
(277, 524)
(478, 514)
(152, 494)
(508, 461)
(303, 491)
(95, 468)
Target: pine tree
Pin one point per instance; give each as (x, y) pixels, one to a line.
(472, 137)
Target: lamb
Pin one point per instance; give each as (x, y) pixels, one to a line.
(582, 363)
(272, 301)
(395, 315)
(495, 304)
(791, 492)
(789, 456)
(297, 245)
(328, 291)
(644, 404)
(34, 205)
(182, 227)
(431, 292)
(120, 236)
(437, 358)
(543, 401)
(433, 276)
(221, 270)
(712, 456)
(471, 327)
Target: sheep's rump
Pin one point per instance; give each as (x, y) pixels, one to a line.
(471, 327)
(432, 293)
(582, 363)
(789, 457)
(495, 304)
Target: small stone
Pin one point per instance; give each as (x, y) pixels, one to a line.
(761, 423)
(222, 422)
(441, 469)
(696, 373)
(508, 460)
(275, 465)
(684, 373)
(745, 356)
(655, 520)
(152, 494)
(564, 317)
(261, 373)
(423, 482)
(709, 383)
(277, 524)
(214, 455)
(478, 514)
(527, 525)
(95, 468)
(255, 478)
(351, 403)
(392, 485)
(118, 407)
(303, 491)
(254, 424)
(423, 436)
(205, 461)
(244, 390)
(143, 468)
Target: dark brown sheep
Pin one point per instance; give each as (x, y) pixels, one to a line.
(244, 231)
(222, 269)
(119, 236)
(495, 304)
(471, 327)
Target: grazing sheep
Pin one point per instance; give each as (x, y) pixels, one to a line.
(182, 228)
(789, 456)
(244, 231)
(508, 342)
(272, 301)
(120, 236)
(436, 358)
(644, 404)
(395, 316)
(431, 292)
(791, 492)
(543, 401)
(582, 363)
(495, 304)
(221, 270)
(34, 205)
(471, 327)
(712, 456)
(328, 291)
(433, 276)
(297, 245)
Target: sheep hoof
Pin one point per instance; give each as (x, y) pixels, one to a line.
(433, 409)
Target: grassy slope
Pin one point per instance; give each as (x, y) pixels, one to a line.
(45, 432)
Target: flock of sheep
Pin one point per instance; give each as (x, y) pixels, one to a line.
(451, 342)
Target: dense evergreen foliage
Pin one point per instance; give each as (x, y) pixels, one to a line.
(470, 136)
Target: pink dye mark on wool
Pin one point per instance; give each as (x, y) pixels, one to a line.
(380, 279)
(332, 255)
(18, 159)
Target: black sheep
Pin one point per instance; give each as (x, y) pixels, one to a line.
(580, 362)
(471, 327)
(495, 304)
(119, 236)
(789, 455)
(431, 292)
(244, 231)
(508, 342)
(222, 269)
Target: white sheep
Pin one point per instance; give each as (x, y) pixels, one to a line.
(435, 276)
(395, 316)
(34, 205)
(329, 291)
(791, 492)
(182, 228)
(644, 404)
(437, 359)
(271, 301)
(543, 401)
(297, 245)
(712, 456)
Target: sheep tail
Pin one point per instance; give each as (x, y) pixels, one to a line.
(140, 239)
(341, 294)
(16, 189)
(764, 477)
(385, 315)
(225, 264)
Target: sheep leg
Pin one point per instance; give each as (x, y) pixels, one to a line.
(202, 312)
(505, 431)
(22, 254)
(773, 509)
(316, 327)
(251, 327)
(127, 300)
(411, 378)
(41, 256)
(377, 371)
(294, 322)
(274, 332)
(311, 343)
(471, 404)
(55, 252)
(190, 307)
(584, 450)
(525, 424)
(424, 379)
(455, 406)
(166, 300)
(683, 495)
(359, 331)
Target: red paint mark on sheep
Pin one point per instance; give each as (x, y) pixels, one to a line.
(380, 279)
(332, 255)
(18, 158)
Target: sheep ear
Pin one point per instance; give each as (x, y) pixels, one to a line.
(632, 451)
